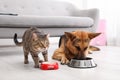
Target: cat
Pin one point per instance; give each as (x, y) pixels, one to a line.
(34, 42)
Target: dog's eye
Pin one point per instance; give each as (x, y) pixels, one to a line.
(77, 40)
(78, 48)
(85, 48)
(86, 40)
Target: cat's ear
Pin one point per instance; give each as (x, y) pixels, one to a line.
(47, 35)
(34, 36)
(93, 35)
(69, 35)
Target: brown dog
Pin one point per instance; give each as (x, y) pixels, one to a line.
(74, 45)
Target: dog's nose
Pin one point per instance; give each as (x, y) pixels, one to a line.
(80, 56)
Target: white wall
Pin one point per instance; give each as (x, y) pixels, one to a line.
(78, 3)
(109, 10)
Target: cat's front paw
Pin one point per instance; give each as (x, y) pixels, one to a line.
(36, 66)
(26, 62)
(40, 61)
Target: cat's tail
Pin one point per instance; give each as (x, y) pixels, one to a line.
(16, 41)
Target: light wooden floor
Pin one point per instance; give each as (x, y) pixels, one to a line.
(12, 67)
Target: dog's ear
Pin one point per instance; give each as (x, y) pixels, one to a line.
(93, 35)
(69, 35)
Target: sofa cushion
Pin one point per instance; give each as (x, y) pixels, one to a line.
(44, 21)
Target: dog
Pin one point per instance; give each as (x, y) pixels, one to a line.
(74, 45)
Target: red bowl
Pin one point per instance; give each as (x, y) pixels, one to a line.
(49, 66)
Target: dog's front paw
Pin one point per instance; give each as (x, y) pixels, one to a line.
(64, 61)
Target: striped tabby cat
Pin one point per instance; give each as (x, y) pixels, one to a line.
(34, 42)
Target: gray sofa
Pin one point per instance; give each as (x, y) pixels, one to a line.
(51, 16)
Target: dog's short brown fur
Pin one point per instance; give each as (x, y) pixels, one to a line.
(74, 45)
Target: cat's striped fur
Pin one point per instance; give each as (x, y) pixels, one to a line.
(34, 42)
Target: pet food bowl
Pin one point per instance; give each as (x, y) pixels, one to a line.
(49, 66)
(86, 63)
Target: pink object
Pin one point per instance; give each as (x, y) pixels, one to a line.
(101, 39)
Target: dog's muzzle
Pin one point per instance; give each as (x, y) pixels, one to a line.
(81, 55)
